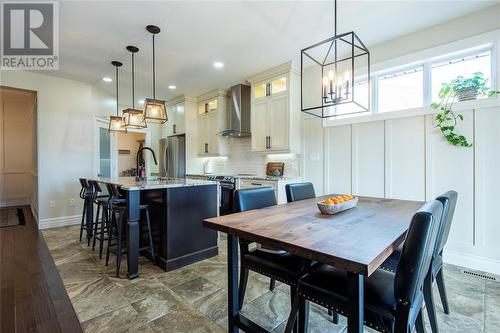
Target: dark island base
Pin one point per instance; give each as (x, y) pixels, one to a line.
(177, 216)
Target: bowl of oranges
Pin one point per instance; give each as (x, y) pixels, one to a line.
(337, 204)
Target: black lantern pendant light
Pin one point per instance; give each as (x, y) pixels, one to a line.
(335, 75)
(133, 117)
(116, 123)
(154, 109)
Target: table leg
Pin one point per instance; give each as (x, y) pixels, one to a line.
(90, 211)
(133, 215)
(232, 283)
(356, 316)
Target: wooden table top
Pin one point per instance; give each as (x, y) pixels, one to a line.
(358, 240)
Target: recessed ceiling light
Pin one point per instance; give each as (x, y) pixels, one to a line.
(218, 64)
(141, 101)
(107, 79)
(172, 87)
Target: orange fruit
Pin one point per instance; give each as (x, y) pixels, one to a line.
(328, 202)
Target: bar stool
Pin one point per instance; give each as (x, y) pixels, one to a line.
(101, 224)
(119, 206)
(83, 195)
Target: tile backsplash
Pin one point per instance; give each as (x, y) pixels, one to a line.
(240, 159)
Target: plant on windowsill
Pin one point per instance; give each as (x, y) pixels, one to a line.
(460, 89)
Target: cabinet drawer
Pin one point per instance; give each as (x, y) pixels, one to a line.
(252, 183)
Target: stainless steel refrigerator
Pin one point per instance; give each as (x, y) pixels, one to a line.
(173, 156)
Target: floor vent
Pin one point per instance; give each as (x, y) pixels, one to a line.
(481, 275)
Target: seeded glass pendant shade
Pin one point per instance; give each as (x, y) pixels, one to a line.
(154, 109)
(133, 117)
(335, 76)
(116, 123)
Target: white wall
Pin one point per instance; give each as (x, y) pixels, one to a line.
(66, 120)
(408, 158)
(402, 155)
(447, 32)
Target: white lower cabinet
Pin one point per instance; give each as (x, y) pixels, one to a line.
(277, 185)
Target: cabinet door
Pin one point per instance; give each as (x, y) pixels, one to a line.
(167, 127)
(213, 129)
(279, 124)
(260, 125)
(179, 120)
(202, 134)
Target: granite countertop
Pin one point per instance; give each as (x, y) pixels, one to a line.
(153, 183)
(254, 177)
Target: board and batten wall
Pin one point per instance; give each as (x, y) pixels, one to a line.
(408, 158)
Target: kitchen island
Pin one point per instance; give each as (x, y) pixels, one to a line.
(178, 207)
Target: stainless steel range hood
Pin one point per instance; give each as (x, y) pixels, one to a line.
(239, 114)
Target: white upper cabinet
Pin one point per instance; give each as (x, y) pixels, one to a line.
(176, 123)
(275, 110)
(212, 119)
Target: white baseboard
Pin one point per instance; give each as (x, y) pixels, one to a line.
(471, 261)
(59, 222)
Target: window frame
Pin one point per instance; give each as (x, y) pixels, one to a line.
(426, 66)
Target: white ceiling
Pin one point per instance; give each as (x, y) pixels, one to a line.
(248, 36)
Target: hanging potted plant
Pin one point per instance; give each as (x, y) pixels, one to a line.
(460, 89)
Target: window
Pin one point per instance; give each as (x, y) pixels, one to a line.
(444, 72)
(402, 90)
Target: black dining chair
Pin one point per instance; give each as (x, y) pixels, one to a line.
(302, 191)
(449, 201)
(392, 301)
(276, 264)
(299, 191)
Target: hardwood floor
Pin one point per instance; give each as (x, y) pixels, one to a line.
(32, 295)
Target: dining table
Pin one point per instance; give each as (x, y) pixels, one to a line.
(357, 240)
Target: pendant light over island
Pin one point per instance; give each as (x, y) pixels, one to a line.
(133, 117)
(154, 109)
(116, 123)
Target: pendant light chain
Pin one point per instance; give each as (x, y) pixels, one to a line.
(117, 91)
(133, 83)
(154, 71)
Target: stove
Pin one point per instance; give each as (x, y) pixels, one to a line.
(222, 179)
(227, 187)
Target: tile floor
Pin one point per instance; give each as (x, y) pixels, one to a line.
(193, 299)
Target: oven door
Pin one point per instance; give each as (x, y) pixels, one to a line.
(226, 199)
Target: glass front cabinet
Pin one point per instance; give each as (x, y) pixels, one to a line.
(275, 110)
(212, 119)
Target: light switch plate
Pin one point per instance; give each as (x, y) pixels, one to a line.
(52, 204)
(72, 202)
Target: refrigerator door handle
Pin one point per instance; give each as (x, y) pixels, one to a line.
(165, 157)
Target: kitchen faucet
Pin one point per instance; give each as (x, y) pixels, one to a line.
(137, 173)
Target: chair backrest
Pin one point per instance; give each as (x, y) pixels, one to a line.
(449, 201)
(113, 191)
(417, 253)
(253, 198)
(84, 184)
(299, 191)
(97, 189)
